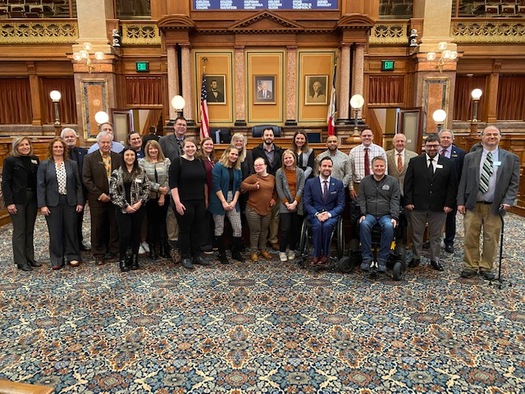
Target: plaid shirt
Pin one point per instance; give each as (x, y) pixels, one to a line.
(357, 160)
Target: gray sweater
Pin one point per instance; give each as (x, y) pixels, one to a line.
(379, 198)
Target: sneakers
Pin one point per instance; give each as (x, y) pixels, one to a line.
(283, 257)
(141, 249)
(291, 255)
(145, 246)
(365, 266)
(381, 266)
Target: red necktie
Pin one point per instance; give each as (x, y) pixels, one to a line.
(444, 152)
(399, 163)
(367, 163)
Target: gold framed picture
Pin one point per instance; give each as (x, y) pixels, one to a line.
(315, 91)
(264, 89)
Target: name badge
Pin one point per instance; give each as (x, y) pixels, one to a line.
(496, 163)
(386, 187)
(138, 180)
(34, 161)
(439, 166)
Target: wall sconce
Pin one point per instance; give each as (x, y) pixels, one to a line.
(101, 117)
(412, 39)
(55, 96)
(439, 117)
(87, 56)
(178, 103)
(443, 55)
(476, 96)
(356, 102)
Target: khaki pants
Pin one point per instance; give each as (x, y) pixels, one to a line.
(475, 221)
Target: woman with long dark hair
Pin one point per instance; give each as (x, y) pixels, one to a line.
(304, 155)
(289, 182)
(190, 194)
(129, 188)
(157, 168)
(60, 199)
(224, 201)
(19, 190)
(207, 154)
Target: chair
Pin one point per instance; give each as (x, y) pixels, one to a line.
(306, 236)
(508, 9)
(492, 10)
(257, 131)
(4, 13)
(521, 10)
(221, 135)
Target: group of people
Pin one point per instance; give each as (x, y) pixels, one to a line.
(172, 194)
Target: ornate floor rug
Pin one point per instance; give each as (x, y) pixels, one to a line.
(265, 327)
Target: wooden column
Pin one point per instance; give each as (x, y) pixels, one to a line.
(173, 78)
(36, 104)
(186, 84)
(492, 94)
(344, 84)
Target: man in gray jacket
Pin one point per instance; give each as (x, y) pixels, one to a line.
(378, 199)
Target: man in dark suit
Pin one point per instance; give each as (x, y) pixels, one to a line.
(98, 167)
(77, 154)
(172, 148)
(488, 188)
(430, 194)
(457, 155)
(214, 94)
(263, 93)
(272, 154)
(324, 202)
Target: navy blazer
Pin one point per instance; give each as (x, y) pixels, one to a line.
(507, 181)
(428, 193)
(47, 191)
(14, 179)
(313, 197)
(457, 155)
(77, 154)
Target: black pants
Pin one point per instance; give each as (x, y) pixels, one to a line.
(156, 221)
(129, 229)
(290, 230)
(23, 229)
(191, 228)
(63, 237)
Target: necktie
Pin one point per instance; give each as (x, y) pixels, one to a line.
(486, 173)
(107, 163)
(399, 163)
(430, 167)
(367, 162)
(325, 190)
(444, 152)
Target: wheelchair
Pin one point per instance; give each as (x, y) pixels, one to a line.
(306, 244)
(397, 261)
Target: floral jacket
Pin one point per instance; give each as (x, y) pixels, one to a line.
(140, 188)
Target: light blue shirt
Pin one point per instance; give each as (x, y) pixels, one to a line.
(116, 147)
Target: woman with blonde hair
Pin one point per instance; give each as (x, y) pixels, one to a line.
(289, 182)
(157, 168)
(60, 199)
(19, 190)
(224, 201)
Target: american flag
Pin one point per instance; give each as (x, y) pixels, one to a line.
(205, 120)
(330, 117)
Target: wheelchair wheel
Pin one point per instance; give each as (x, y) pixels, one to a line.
(397, 271)
(340, 238)
(303, 240)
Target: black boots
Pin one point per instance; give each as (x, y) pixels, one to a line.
(236, 249)
(123, 264)
(152, 251)
(222, 249)
(134, 261)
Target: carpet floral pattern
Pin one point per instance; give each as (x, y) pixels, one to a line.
(265, 327)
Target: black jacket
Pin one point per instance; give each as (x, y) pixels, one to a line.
(15, 179)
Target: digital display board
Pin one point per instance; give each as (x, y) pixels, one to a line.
(227, 5)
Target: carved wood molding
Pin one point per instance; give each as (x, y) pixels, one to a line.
(39, 32)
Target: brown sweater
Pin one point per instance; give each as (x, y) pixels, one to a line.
(259, 199)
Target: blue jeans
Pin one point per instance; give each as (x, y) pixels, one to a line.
(365, 234)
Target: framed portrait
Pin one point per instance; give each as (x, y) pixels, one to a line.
(315, 89)
(216, 89)
(264, 89)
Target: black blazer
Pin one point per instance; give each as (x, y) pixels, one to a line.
(94, 174)
(428, 193)
(15, 179)
(47, 192)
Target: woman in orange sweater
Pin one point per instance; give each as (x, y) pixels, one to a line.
(262, 198)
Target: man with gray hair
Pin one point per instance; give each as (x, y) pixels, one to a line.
(97, 170)
(77, 154)
(116, 147)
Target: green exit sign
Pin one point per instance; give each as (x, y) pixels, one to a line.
(142, 67)
(387, 65)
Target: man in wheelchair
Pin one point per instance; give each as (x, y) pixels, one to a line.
(378, 199)
(324, 202)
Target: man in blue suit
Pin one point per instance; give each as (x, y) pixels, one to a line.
(457, 155)
(324, 202)
(488, 186)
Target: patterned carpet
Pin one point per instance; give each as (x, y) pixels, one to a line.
(263, 327)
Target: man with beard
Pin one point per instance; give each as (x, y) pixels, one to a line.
(341, 168)
(272, 154)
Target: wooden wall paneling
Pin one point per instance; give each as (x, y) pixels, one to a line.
(219, 66)
(314, 64)
(265, 63)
